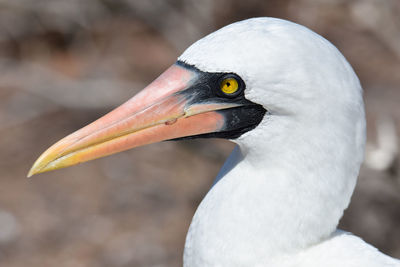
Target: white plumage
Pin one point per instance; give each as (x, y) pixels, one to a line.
(278, 198)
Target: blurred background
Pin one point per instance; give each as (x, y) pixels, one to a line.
(65, 63)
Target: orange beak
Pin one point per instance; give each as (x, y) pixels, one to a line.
(159, 112)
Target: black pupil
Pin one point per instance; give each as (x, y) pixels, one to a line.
(228, 84)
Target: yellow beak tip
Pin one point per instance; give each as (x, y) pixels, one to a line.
(32, 171)
(37, 167)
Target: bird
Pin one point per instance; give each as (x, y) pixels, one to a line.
(294, 107)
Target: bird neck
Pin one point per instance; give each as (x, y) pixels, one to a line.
(287, 192)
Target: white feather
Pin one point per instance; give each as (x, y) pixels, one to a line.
(278, 199)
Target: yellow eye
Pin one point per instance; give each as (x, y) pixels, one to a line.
(229, 86)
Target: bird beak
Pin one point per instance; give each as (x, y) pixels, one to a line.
(161, 111)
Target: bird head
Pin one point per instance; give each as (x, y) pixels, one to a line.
(240, 82)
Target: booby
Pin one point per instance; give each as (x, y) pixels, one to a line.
(293, 105)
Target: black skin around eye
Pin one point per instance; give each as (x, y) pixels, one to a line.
(208, 85)
(207, 89)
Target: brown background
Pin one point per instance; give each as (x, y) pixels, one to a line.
(65, 63)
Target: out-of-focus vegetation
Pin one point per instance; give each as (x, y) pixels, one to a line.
(65, 63)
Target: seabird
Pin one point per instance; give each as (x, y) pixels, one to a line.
(293, 105)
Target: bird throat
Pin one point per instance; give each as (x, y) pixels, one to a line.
(260, 208)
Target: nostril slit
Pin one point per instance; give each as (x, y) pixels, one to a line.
(170, 122)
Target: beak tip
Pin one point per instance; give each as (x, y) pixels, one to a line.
(39, 166)
(30, 173)
(34, 170)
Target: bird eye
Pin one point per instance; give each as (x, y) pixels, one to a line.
(229, 86)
